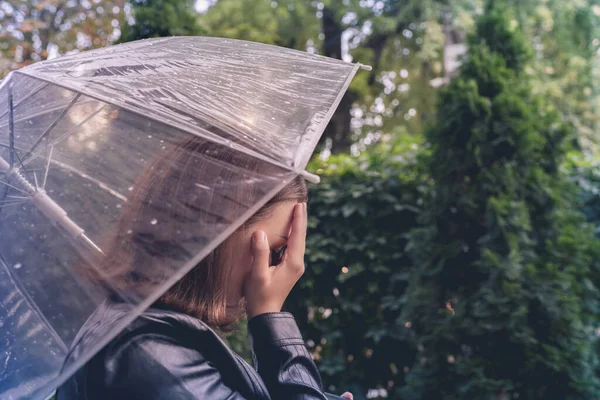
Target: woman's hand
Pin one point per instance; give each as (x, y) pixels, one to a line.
(266, 287)
(348, 395)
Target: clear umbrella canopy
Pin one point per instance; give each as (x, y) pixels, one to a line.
(122, 168)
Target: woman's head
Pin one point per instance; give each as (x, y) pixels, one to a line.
(182, 201)
(213, 290)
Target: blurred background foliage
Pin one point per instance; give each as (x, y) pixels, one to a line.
(454, 241)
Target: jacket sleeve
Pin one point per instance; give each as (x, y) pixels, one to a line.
(153, 367)
(282, 359)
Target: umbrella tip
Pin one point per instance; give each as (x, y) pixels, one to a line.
(312, 178)
(365, 67)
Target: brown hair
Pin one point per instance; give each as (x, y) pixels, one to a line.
(172, 212)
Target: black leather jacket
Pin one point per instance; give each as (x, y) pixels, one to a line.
(168, 355)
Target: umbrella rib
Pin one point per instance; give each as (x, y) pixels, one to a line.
(29, 95)
(21, 162)
(101, 184)
(4, 195)
(14, 187)
(12, 203)
(52, 125)
(17, 284)
(79, 125)
(46, 111)
(11, 128)
(35, 180)
(6, 146)
(47, 166)
(56, 141)
(239, 203)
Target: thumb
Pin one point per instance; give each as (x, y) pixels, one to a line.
(260, 252)
(348, 395)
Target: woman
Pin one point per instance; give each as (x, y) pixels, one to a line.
(172, 350)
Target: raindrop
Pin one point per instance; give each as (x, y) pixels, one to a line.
(129, 232)
(130, 188)
(17, 265)
(154, 221)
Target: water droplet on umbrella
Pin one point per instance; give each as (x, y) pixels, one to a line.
(17, 265)
(154, 221)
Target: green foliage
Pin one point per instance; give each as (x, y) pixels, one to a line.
(287, 23)
(585, 172)
(34, 30)
(348, 302)
(502, 297)
(493, 31)
(160, 18)
(238, 341)
(565, 36)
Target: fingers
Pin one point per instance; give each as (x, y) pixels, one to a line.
(348, 395)
(297, 241)
(260, 253)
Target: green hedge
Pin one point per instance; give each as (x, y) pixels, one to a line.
(348, 302)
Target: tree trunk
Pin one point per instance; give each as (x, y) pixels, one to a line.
(338, 129)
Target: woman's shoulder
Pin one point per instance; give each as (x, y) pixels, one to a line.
(114, 333)
(115, 326)
(157, 348)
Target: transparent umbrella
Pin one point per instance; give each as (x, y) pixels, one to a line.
(83, 137)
